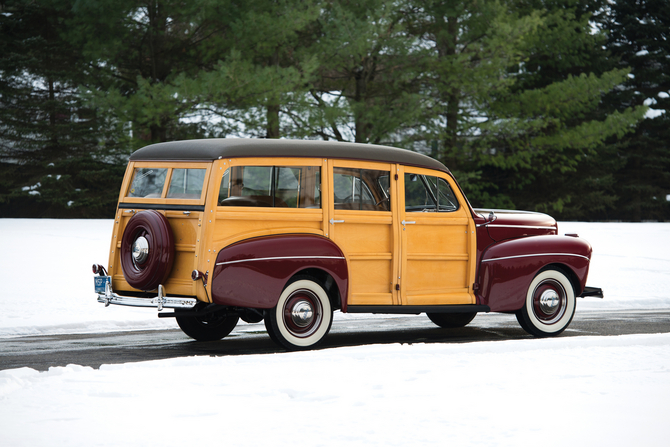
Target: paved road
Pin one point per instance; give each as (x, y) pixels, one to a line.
(95, 349)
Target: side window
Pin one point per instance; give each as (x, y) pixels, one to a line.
(271, 186)
(147, 182)
(417, 195)
(424, 193)
(224, 190)
(254, 180)
(361, 189)
(446, 199)
(186, 183)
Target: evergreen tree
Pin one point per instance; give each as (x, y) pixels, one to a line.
(568, 47)
(138, 54)
(530, 117)
(639, 40)
(263, 69)
(51, 163)
(367, 85)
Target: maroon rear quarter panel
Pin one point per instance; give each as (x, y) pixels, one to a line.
(254, 272)
(507, 268)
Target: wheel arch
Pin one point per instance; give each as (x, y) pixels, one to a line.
(327, 282)
(568, 272)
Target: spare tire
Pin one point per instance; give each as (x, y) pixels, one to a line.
(147, 250)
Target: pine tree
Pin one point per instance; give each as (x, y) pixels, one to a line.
(51, 162)
(262, 70)
(366, 87)
(520, 112)
(138, 54)
(638, 38)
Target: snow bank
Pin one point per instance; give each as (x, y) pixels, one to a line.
(46, 284)
(577, 391)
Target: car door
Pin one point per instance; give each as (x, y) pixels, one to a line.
(437, 240)
(362, 224)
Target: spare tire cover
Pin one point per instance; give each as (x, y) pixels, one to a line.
(151, 267)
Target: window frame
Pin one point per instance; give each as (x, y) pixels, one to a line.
(163, 199)
(273, 162)
(431, 194)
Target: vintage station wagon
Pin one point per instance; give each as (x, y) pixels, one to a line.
(286, 232)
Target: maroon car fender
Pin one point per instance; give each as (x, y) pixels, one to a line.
(253, 273)
(507, 268)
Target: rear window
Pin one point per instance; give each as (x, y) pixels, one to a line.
(147, 182)
(184, 183)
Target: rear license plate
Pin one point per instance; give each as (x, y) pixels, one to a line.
(100, 282)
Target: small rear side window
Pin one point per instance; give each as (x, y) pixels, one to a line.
(186, 183)
(147, 182)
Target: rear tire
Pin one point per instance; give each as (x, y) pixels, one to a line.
(549, 306)
(302, 317)
(211, 327)
(451, 321)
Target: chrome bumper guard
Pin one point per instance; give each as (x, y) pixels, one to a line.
(160, 302)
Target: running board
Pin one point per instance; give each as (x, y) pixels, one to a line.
(415, 310)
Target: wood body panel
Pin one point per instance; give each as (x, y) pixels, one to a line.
(368, 240)
(438, 252)
(186, 226)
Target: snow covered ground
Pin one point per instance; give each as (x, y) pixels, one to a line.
(578, 391)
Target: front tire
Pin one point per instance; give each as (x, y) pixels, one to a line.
(549, 306)
(210, 327)
(451, 321)
(302, 317)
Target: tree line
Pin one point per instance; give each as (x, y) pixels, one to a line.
(549, 105)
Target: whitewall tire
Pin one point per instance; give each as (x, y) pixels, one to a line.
(549, 305)
(302, 317)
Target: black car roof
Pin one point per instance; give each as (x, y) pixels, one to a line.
(218, 148)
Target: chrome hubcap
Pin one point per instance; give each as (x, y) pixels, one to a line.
(140, 250)
(549, 301)
(302, 313)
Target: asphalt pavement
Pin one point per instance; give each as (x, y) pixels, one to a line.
(43, 352)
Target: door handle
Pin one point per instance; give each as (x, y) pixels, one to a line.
(333, 221)
(407, 222)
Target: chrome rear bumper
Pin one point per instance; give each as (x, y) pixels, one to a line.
(160, 302)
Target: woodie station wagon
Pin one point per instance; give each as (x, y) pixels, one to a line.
(286, 232)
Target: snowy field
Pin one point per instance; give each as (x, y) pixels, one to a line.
(577, 391)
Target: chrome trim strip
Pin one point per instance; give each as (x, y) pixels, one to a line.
(522, 226)
(535, 254)
(280, 258)
(164, 206)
